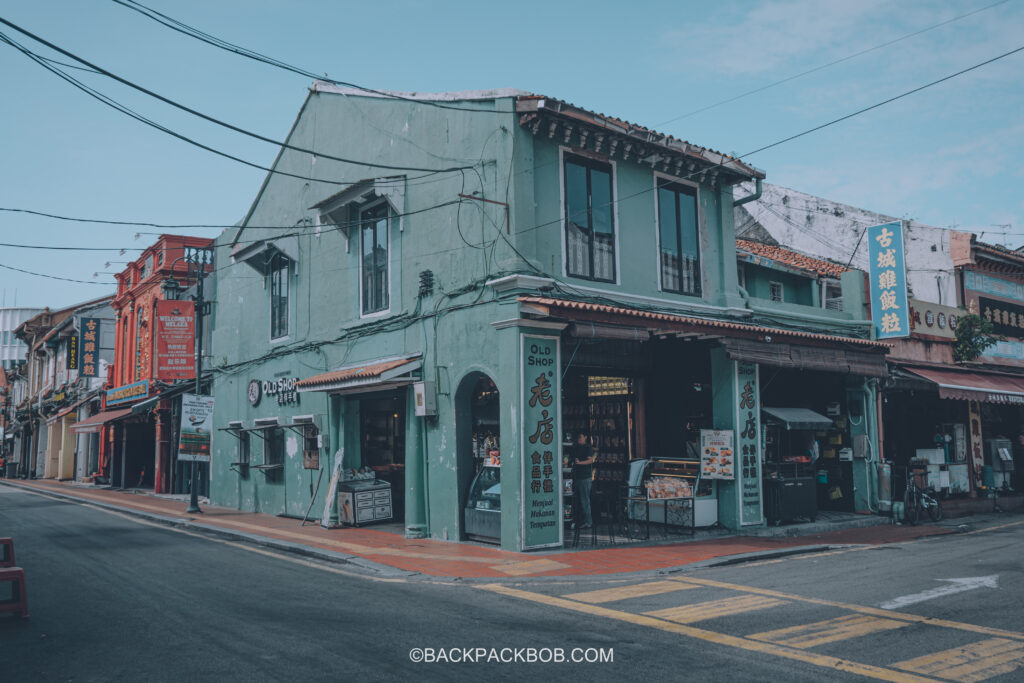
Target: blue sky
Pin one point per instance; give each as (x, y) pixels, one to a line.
(947, 156)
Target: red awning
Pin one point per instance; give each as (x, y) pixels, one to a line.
(95, 423)
(371, 374)
(986, 387)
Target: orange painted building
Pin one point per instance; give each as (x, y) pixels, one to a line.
(137, 440)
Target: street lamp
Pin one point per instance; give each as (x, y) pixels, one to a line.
(197, 259)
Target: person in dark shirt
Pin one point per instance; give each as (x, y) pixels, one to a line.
(582, 461)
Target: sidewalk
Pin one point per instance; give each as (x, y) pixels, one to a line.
(387, 552)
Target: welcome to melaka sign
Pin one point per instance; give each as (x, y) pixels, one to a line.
(888, 272)
(541, 459)
(175, 340)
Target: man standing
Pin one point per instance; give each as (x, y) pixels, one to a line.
(582, 460)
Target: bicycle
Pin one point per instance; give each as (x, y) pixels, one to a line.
(916, 498)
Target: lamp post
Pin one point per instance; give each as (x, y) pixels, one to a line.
(198, 259)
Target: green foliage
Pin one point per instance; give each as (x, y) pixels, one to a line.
(974, 334)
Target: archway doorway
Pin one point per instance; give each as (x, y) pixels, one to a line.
(478, 442)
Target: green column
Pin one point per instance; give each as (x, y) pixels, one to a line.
(415, 471)
(861, 406)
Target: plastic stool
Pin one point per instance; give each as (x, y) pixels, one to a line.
(7, 556)
(19, 603)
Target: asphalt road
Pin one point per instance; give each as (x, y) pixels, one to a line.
(113, 597)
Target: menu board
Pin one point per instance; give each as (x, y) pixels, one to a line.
(716, 454)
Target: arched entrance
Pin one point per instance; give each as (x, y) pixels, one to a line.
(478, 443)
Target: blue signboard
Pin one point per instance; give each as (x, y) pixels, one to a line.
(888, 273)
(128, 393)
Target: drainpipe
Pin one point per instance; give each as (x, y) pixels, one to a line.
(750, 198)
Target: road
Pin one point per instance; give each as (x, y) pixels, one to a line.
(113, 597)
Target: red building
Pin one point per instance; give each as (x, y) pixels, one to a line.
(140, 430)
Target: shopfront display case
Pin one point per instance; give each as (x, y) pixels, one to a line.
(796, 476)
(483, 507)
(364, 501)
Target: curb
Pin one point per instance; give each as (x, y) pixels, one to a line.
(264, 541)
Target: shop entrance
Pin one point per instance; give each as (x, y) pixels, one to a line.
(478, 434)
(382, 443)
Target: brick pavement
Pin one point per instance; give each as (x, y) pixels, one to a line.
(466, 560)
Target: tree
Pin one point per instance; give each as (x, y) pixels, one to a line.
(974, 334)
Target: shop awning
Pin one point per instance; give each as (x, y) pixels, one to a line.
(987, 387)
(801, 357)
(95, 423)
(371, 375)
(799, 418)
(143, 406)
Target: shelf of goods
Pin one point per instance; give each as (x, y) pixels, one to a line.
(608, 422)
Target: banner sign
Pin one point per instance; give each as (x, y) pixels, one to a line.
(1007, 319)
(748, 422)
(175, 340)
(72, 358)
(888, 274)
(977, 454)
(89, 354)
(126, 393)
(541, 442)
(196, 428)
(717, 459)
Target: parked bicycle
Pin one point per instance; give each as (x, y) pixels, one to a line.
(916, 498)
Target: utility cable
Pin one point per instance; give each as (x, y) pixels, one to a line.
(55, 277)
(209, 39)
(214, 120)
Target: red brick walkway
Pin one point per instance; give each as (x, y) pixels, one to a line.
(449, 559)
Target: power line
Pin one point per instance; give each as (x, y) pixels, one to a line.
(55, 277)
(55, 248)
(209, 39)
(825, 66)
(214, 120)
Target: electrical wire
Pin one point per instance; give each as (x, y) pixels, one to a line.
(825, 66)
(209, 39)
(214, 120)
(55, 277)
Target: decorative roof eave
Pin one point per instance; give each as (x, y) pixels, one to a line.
(671, 323)
(568, 124)
(999, 259)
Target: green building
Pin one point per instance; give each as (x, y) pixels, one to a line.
(439, 291)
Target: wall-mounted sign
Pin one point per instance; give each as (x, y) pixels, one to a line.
(748, 442)
(89, 341)
(196, 427)
(175, 340)
(933, 320)
(887, 270)
(127, 393)
(1007, 319)
(541, 452)
(72, 358)
(717, 455)
(254, 392)
(283, 389)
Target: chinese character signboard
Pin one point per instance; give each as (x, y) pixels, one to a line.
(196, 427)
(977, 455)
(1007, 319)
(73, 352)
(887, 271)
(748, 443)
(126, 393)
(89, 352)
(541, 444)
(717, 460)
(175, 340)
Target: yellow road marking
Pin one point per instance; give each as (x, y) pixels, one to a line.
(874, 611)
(832, 663)
(819, 633)
(625, 592)
(974, 662)
(687, 614)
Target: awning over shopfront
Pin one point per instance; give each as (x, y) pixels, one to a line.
(799, 418)
(95, 423)
(798, 357)
(987, 387)
(378, 374)
(151, 402)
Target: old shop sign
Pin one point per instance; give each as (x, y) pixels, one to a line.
(541, 460)
(128, 393)
(283, 388)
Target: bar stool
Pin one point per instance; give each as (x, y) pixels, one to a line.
(6, 552)
(19, 603)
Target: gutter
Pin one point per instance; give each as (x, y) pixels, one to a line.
(750, 198)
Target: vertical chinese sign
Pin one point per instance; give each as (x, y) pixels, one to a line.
(196, 428)
(542, 457)
(977, 457)
(73, 352)
(887, 271)
(89, 340)
(175, 340)
(748, 426)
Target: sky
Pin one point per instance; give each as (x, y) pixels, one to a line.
(945, 156)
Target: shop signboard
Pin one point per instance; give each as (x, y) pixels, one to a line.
(934, 320)
(175, 340)
(540, 380)
(72, 357)
(1007, 319)
(748, 443)
(196, 428)
(977, 454)
(717, 460)
(126, 393)
(89, 352)
(887, 272)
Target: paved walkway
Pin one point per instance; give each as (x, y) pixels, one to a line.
(466, 560)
